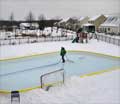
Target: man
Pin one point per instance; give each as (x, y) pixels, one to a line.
(62, 53)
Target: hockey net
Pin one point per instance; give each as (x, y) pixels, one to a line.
(52, 78)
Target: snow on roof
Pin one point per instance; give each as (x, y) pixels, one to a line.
(64, 20)
(24, 24)
(81, 18)
(78, 18)
(94, 17)
(106, 15)
(112, 21)
(74, 18)
(88, 24)
(28, 24)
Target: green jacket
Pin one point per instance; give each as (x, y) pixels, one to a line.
(63, 52)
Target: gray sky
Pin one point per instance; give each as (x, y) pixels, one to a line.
(53, 8)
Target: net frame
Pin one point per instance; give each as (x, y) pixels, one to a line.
(50, 73)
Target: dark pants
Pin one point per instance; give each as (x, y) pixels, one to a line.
(63, 59)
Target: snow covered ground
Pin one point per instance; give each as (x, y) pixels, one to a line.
(101, 89)
(37, 48)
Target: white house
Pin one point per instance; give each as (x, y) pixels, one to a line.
(111, 25)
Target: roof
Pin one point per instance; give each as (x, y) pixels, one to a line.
(81, 18)
(74, 18)
(112, 21)
(64, 20)
(94, 17)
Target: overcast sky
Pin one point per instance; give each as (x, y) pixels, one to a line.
(53, 8)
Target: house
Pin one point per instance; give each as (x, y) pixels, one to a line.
(71, 23)
(111, 25)
(81, 21)
(68, 23)
(29, 25)
(97, 20)
(62, 23)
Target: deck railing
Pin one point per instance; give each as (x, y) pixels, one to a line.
(109, 39)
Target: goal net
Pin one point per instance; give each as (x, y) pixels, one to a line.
(52, 78)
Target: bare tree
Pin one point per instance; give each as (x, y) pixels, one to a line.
(41, 19)
(11, 18)
(30, 18)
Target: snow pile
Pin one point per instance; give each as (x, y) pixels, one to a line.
(48, 31)
(4, 34)
(101, 89)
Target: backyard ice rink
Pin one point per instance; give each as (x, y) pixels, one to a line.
(98, 89)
